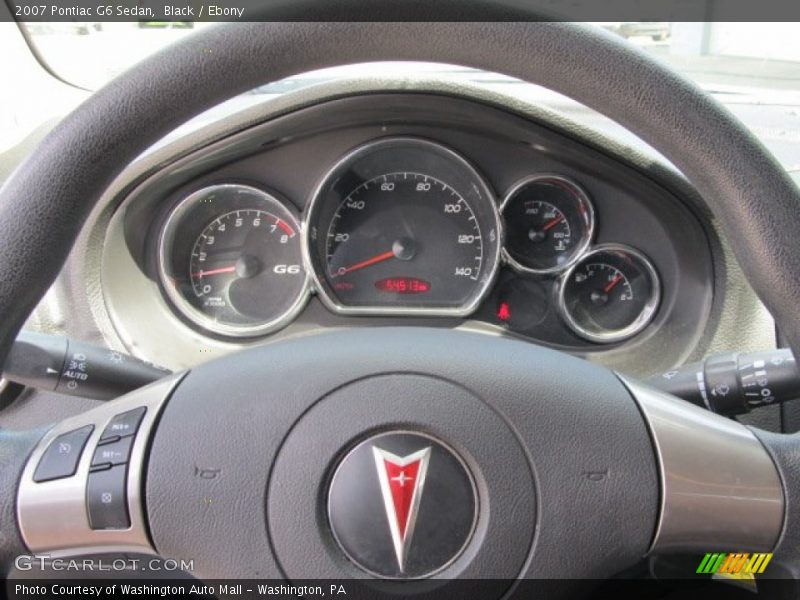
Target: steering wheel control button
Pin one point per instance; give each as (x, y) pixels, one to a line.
(402, 505)
(62, 455)
(105, 499)
(123, 424)
(101, 507)
(115, 453)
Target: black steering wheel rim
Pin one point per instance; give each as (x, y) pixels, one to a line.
(63, 179)
(45, 202)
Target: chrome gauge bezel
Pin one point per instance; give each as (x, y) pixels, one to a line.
(645, 316)
(166, 238)
(483, 285)
(578, 252)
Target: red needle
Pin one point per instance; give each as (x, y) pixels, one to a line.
(366, 263)
(612, 283)
(552, 223)
(214, 271)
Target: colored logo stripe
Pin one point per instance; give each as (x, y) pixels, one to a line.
(734, 562)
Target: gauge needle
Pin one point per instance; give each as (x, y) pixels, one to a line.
(552, 223)
(366, 263)
(612, 283)
(215, 271)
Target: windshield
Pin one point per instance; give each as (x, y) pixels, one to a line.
(753, 68)
(722, 57)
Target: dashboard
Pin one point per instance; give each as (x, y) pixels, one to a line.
(399, 226)
(407, 208)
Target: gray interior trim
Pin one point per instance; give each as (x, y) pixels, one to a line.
(52, 515)
(720, 489)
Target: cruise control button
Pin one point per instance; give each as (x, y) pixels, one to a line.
(62, 455)
(123, 424)
(106, 499)
(115, 453)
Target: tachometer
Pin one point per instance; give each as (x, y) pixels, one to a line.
(400, 226)
(231, 260)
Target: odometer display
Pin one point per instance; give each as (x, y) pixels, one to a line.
(403, 225)
(403, 285)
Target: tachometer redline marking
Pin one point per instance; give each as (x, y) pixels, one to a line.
(285, 226)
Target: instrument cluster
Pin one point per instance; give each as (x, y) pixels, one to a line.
(403, 226)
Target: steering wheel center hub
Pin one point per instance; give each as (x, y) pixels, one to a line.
(395, 476)
(402, 505)
(446, 456)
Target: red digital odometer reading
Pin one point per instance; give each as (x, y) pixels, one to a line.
(403, 285)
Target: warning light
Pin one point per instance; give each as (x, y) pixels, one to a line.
(504, 311)
(403, 285)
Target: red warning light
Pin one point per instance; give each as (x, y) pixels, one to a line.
(504, 311)
(403, 285)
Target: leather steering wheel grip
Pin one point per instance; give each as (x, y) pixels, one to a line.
(47, 199)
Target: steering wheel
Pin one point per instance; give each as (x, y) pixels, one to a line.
(397, 454)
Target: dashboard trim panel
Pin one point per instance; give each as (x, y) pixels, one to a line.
(350, 112)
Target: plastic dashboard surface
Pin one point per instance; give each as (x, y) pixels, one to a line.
(640, 268)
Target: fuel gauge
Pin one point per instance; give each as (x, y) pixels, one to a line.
(549, 224)
(611, 294)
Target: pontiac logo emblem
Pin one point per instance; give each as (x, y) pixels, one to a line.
(402, 480)
(402, 505)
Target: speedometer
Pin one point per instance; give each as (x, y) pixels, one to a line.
(400, 226)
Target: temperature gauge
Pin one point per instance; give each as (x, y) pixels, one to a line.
(610, 295)
(549, 224)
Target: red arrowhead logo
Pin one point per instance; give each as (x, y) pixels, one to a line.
(402, 479)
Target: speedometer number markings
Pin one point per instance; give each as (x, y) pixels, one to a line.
(400, 240)
(414, 244)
